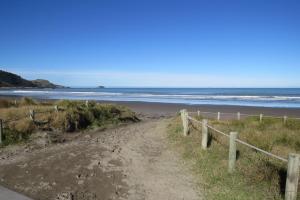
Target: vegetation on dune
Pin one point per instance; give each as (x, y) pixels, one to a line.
(5, 103)
(257, 176)
(25, 101)
(71, 116)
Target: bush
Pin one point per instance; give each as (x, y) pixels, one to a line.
(77, 115)
(18, 131)
(69, 104)
(5, 103)
(25, 101)
(72, 116)
(293, 124)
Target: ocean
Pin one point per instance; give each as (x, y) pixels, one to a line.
(265, 97)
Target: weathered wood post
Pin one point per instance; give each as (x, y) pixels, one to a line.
(185, 121)
(261, 118)
(198, 113)
(239, 116)
(87, 103)
(1, 130)
(56, 108)
(285, 119)
(232, 152)
(204, 134)
(31, 114)
(291, 185)
(219, 116)
(15, 102)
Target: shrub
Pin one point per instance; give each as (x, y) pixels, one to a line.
(25, 101)
(72, 116)
(70, 104)
(5, 103)
(18, 131)
(293, 124)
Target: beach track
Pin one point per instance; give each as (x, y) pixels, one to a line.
(129, 162)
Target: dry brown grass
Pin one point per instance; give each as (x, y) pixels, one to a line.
(5, 103)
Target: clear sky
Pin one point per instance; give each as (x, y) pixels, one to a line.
(209, 43)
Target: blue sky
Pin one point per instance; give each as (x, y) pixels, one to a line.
(211, 43)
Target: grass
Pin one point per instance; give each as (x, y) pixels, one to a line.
(71, 116)
(257, 176)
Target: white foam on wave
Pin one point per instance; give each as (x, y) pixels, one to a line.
(117, 95)
(220, 97)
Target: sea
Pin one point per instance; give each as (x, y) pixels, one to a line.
(263, 97)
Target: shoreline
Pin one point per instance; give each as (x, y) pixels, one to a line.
(170, 109)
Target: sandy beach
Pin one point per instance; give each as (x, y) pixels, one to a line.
(169, 109)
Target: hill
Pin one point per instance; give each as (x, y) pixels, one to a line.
(41, 83)
(8, 79)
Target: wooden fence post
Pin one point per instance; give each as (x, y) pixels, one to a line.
(285, 119)
(204, 134)
(219, 116)
(292, 177)
(261, 118)
(185, 122)
(239, 116)
(1, 130)
(232, 152)
(87, 103)
(31, 114)
(198, 112)
(56, 108)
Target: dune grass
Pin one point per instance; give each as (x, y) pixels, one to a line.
(71, 116)
(257, 176)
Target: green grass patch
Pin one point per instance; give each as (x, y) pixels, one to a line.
(257, 176)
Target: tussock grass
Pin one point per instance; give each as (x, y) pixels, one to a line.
(71, 116)
(257, 176)
(5, 103)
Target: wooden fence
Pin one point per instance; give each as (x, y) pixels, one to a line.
(293, 160)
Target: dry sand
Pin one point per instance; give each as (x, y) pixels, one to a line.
(169, 109)
(130, 162)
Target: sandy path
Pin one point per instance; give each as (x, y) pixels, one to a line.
(154, 171)
(130, 162)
